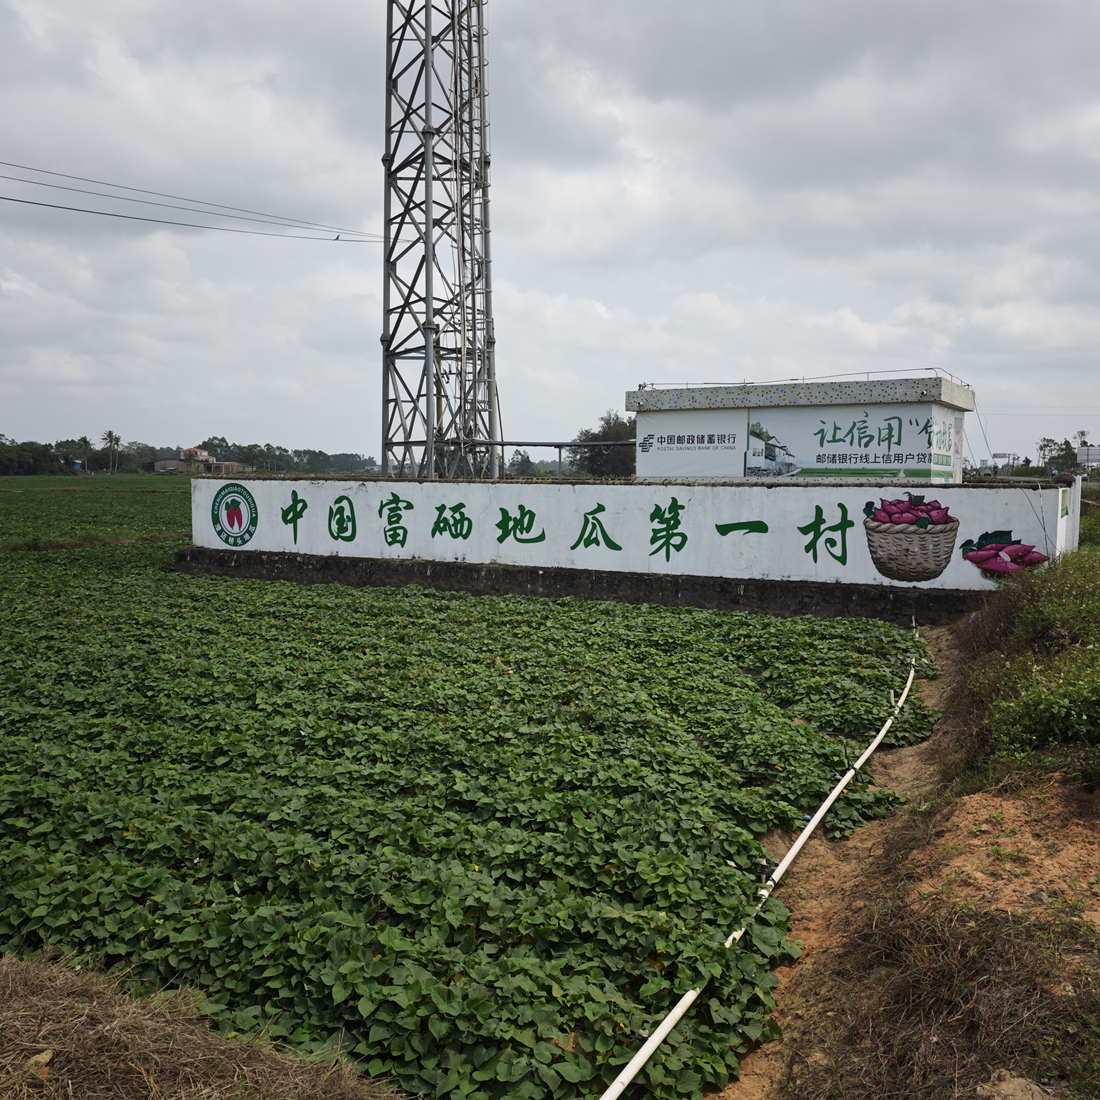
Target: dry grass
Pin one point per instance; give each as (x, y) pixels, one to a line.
(108, 1045)
(928, 998)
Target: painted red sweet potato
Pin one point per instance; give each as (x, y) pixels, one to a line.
(908, 509)
(1000, 566)
(979, 556)
(1033, 559)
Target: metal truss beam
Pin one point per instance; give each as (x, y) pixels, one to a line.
(439, 398)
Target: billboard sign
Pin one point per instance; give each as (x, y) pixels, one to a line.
(881, 441)
(848, 533)
(852, 441)
(704, 443)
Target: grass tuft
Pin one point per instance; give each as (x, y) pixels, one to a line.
(930, 998)
(91, 1039)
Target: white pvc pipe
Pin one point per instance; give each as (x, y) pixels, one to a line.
(631, 1070)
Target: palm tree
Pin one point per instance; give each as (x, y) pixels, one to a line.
(111, 440)
(85, 447)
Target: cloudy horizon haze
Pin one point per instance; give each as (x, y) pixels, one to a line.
(699, 192)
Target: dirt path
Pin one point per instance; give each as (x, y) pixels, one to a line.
(1011, 852)
(41, 545)
(823, 888)
(826, 885)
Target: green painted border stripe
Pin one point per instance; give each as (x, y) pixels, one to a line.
(870, 471)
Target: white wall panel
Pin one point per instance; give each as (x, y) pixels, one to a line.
(784, 532)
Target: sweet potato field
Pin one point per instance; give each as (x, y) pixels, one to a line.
(485, 843)
(38, 512)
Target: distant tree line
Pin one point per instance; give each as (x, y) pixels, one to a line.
(67, 456)
(70, 456)
(1053, 457)
(267, 456)
(29, 458)
(110, 455)
(1061, 456)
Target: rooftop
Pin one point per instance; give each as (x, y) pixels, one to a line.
(888, 391)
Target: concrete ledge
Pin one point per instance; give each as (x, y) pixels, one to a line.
(829, 600)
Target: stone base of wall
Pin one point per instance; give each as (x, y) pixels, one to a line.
(830, 600)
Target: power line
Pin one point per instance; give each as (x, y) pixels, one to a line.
(264, 220)
(165, 195)
(188, 225)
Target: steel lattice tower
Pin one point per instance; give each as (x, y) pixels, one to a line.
(438, 378)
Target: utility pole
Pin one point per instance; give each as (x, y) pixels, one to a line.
(438, 371)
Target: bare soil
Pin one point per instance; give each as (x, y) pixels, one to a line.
(1006, 852)
(40, 544)
(824, 888)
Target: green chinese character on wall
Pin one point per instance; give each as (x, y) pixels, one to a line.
(341, 520)
(816, 528)
(393, 511)
(458, 525)
(666, 535)
(593, 531)
(518, 527)
(293, 512)
(889, 435)
(746, 527)
(927, 428)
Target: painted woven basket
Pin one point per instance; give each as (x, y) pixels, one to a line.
(906, 552)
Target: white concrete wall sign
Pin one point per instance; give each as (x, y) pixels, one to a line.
(786, 532)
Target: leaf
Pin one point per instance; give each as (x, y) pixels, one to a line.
(575, 1071)
(340, 811)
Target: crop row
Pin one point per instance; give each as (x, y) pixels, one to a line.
(35, 516)
(484, 842)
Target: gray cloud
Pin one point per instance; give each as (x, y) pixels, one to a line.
(699, 191)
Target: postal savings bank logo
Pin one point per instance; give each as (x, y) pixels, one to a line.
(233, 514)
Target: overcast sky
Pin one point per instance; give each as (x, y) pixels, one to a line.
(705, 191)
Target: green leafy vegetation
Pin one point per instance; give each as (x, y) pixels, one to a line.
(45, 511)
(274, 458)
(1040, 676)
(1090, 525)
(610, 461)
(485, 842)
